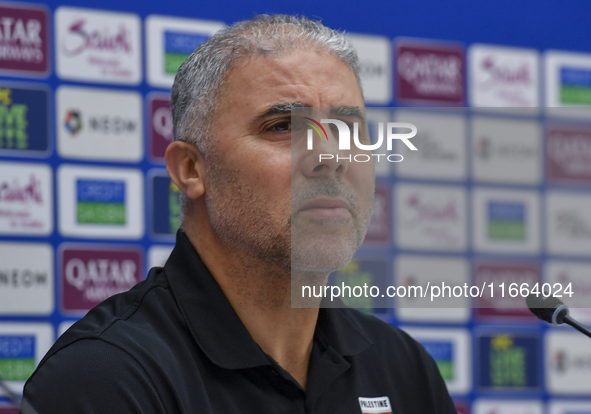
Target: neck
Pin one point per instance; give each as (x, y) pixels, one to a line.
(260, 293)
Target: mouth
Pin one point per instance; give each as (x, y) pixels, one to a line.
(326, 208)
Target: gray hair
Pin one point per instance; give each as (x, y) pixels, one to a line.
(200, 79)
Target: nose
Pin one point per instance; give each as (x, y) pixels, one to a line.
(325, 158)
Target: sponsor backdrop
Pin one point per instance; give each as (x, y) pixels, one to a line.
(499, 189)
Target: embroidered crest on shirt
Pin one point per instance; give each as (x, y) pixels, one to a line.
(377, 405)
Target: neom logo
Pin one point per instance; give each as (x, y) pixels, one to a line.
(563, 361)
(105, 124)
(25, 278)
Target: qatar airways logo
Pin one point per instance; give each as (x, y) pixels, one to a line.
(385, 129)
(27, 193)
(90, 275)
(83, 275)
(79, 39)
(430, 72)
(415, 68)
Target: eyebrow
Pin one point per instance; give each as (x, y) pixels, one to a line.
(279, 109)
(287, 108)
(349, 111)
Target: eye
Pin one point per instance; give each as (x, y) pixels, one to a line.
(283, 126)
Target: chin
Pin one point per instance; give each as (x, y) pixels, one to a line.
(322, 259)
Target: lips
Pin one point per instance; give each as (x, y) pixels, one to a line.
(327, 208)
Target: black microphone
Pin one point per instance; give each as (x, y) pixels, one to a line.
(554, 311)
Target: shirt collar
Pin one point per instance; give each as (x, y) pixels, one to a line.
(218, 330)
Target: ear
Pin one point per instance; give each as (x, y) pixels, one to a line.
(185, 166)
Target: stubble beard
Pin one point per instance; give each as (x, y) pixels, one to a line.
(324, 251)
(242, 219)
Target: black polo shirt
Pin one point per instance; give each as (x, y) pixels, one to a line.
(174, 344)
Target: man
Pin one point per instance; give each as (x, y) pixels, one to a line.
(214, 330)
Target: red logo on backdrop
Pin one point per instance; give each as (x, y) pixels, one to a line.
(161, 132)
(378, 231)
(24, 39)
(569, 154)
(430, 73)
(499, 304)
(462, 407)
(505, 75)
(95, 40)
(25, 193)
(91, 275)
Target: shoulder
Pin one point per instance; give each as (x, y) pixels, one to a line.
(91, 376)
(115, 319)
(108, 353)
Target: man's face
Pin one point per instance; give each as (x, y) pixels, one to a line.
(260, 190)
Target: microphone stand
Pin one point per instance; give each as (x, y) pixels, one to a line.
(578, 326)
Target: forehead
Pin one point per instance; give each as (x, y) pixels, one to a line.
(313, 78)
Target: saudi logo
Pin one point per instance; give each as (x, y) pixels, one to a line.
(100, 202)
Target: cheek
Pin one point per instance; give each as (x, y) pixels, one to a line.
(362, 177)
(262, 168)
(270, 175)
